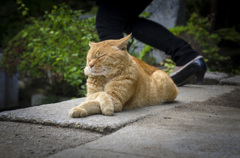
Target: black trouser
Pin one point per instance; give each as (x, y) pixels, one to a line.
(115, 18)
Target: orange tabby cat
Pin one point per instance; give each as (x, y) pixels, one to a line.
(117, 81)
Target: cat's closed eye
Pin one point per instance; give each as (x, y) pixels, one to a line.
(96, 58)
(101, 56)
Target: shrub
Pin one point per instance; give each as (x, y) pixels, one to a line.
(197, 35)
(53, 48)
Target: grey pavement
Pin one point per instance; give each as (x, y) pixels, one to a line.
(203, 122)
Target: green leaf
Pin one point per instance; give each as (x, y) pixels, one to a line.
(24, 34)
(54, 42)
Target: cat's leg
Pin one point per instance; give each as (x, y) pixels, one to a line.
(120, 91)
(95, 103)
(106, 104)
(116, 104)
(85, 109)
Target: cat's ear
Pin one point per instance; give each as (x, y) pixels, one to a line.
(122, 44)
(91, 44)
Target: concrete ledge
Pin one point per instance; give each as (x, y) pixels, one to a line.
(231, 80)
(212, 78)
(57, 114)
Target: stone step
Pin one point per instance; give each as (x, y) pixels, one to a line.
(57, 114)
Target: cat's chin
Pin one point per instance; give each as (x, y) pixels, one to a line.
(97, 74)
(89, 72)
(101, 73)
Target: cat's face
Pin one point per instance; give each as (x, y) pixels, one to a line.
(106, 58)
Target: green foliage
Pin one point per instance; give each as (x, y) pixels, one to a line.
(145, 14)
(50, 99)
(196, 33)
(144, 55)
(23, 8)
(168, 65)
(53, 48)
(229, 34)
(145, 51)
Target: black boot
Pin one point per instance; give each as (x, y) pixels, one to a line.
(197, 67)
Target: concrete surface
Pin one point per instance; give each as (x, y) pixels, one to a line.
(57, 114)
(211, 78)
(203, 122)
(195, 132)
(31, 140)
(235, 80)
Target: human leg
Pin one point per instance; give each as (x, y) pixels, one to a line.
(189, 62)
(112, 16)
(159, 37)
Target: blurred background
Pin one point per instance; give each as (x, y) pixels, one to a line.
(43, 44)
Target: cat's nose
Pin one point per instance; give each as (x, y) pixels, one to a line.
(91, 65)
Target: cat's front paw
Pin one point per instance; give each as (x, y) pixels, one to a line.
(77, 112)
(108, 112)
